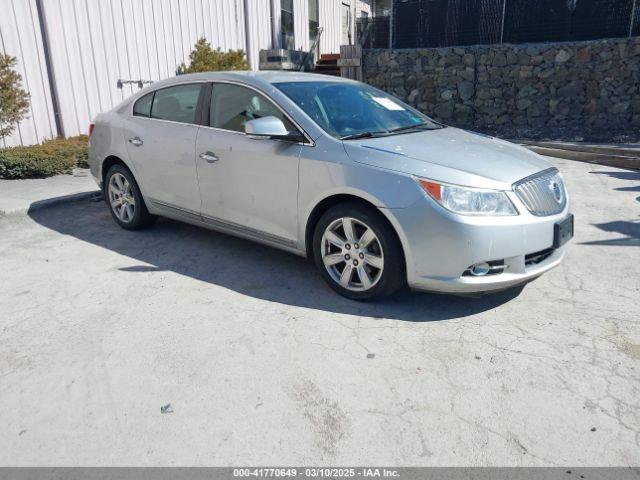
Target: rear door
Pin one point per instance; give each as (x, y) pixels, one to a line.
(245, 183)
(161, 137)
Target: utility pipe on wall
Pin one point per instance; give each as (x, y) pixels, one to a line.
(53, 89)
(247, 33)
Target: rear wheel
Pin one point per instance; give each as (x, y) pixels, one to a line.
(125, 201)
(358, 252)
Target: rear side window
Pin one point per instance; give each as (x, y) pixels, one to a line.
(142, 108)
(232, 106)
(177, 104)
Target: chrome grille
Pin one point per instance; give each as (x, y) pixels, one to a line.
(543, 193)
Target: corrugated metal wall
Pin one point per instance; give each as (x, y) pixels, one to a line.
(97, 42)
(93, 43)
(331, 20)
(330, 13)
(20, 38)
(259, 21)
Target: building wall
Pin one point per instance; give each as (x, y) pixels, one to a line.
(93, 43)
(260, 28)
(97, 42)
(590, 86)
(20, 38)
(331, 20)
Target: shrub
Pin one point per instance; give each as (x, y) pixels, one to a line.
(52, 157)
(75, 147)
(203, 58)
(14, 101)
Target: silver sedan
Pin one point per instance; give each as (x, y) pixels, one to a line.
(377, 193)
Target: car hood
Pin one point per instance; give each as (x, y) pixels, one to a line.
(449, 155)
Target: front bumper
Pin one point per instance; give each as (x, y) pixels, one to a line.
(440, 246)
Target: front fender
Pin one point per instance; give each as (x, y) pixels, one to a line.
(321, 179)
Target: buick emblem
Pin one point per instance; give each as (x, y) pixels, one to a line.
(556, 189)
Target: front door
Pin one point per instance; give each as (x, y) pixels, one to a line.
(161, 137)
(246, 184)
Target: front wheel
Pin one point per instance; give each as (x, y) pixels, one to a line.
(358, 253)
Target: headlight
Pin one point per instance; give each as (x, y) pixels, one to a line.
(469, 201)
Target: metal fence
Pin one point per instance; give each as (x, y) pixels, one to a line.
(373, 32)
(438, 23)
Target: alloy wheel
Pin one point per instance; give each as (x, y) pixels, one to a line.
(352, 254)
(121, 198)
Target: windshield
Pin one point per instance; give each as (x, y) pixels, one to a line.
(354, 110)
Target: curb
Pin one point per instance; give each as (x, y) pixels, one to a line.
(50, 202)
(617, 161)
(622, 150)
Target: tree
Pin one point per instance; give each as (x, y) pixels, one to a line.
(203, 58)
(14, 100)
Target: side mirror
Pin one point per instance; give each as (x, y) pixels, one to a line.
(270, 127)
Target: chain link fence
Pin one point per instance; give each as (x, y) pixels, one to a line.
(373, 32)
(440, 23)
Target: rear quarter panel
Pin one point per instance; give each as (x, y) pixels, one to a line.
(107, 140)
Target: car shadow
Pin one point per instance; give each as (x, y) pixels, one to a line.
(631, 175)
(245, 267)
(630, 231)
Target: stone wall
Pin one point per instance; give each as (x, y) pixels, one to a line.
(546, 88)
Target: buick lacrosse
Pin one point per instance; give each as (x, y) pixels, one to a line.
(377, 193)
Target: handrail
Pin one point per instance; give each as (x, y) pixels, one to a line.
(313, 47)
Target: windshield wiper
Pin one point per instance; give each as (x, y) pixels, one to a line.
(419, 126)
(353, 136)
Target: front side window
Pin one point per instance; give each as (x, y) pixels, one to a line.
(177, 104)
(232, 106)
(352, 109)
(142, 108)
(286, 22)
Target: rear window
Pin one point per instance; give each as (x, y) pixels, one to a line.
(142, 108)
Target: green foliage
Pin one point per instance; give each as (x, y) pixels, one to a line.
(52, 157)
(203, 58)
(14, 100)
(76, 148)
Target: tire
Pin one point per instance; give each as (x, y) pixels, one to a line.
(369, 271)
(125, 202)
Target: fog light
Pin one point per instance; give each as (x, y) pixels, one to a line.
(480, 269)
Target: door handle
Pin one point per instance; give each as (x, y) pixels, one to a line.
(209, 157)
(136, 141)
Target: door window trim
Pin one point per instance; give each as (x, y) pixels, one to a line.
(206, 112)
(199, 117)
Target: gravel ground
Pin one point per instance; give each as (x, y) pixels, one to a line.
(262, 364)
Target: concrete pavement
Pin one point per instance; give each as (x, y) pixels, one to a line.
(20, 196)
(263, 364)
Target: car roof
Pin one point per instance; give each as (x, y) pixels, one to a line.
(262, 78)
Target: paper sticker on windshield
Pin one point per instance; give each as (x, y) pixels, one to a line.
(387, 103)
